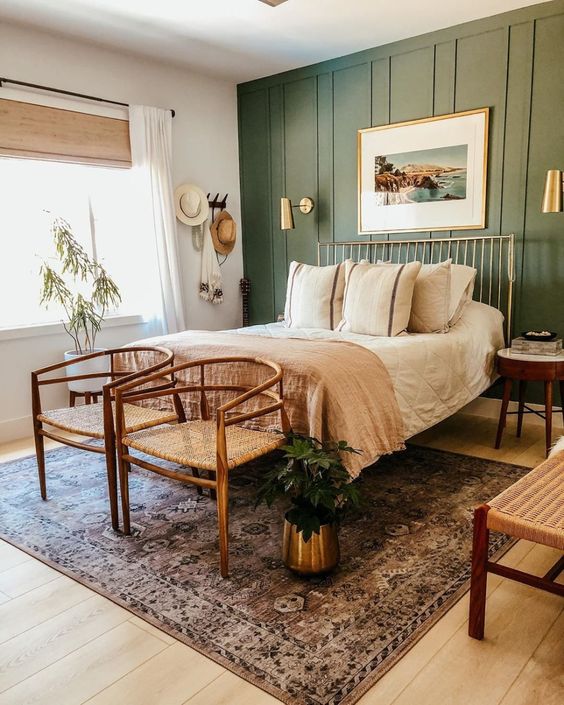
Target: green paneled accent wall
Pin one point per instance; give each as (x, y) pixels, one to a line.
(298, 138)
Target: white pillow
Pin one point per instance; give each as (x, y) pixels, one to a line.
(462, 280)
(431, 299)
(377, 299)
(314, 296)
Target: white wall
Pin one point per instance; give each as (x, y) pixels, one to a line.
(205, 153)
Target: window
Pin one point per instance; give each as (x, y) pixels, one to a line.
(102, 206)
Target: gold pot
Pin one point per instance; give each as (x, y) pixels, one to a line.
(318, 555)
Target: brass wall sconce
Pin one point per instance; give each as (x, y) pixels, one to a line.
(287, 217)
(553, 187)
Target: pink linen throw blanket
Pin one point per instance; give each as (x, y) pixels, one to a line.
(333, 390)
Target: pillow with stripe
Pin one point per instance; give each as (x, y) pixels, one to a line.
(314, 296)
(377, 298)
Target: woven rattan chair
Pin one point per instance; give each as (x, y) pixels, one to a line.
(215, 445)
(531, 509)
(97, 420)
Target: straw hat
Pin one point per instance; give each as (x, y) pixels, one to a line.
(192, 205)
(224, 233)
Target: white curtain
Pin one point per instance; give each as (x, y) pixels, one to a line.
(150, 132)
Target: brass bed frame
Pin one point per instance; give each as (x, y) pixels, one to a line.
(493, 256)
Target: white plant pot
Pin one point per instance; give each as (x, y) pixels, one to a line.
(96, 364)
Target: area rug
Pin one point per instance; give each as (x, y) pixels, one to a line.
(405, 561)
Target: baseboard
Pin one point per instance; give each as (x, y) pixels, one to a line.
(490, 408)
(14, 429)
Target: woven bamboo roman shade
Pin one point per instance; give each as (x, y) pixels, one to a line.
(56, 134)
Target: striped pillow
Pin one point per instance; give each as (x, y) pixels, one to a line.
(314, 297)
(377, 298)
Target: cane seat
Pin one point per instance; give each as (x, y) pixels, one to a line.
(88, 419)
(194, 443)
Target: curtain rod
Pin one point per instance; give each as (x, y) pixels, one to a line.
(59, 90)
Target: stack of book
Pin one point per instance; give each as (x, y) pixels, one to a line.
(536, 347)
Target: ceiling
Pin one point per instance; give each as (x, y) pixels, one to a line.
(245, 39)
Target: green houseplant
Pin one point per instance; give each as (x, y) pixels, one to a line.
(319, 488)
(84, 312)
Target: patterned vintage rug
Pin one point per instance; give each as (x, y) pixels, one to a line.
(313, 642)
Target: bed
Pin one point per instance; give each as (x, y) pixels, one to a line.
(377, 392)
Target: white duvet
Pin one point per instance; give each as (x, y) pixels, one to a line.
(434, 375)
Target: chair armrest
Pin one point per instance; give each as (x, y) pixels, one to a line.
(66, 363)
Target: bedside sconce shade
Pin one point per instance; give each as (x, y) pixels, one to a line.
(552, 197)
(287, 217)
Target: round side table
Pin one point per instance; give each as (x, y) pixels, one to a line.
(513, 366)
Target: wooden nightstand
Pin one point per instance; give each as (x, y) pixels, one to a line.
(546, 368)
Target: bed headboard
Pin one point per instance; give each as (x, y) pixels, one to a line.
(492, 255)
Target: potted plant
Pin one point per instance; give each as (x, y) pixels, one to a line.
(85, 312)
(320, 490)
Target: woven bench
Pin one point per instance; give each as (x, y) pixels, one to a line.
(531, 509)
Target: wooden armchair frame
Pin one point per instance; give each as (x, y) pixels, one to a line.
(220, 483)
(108, 394)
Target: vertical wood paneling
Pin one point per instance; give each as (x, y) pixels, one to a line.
(325, 200)
(380, 104)
(543, 274)
(512, 66)
(516, 148)
(411, 94)
(481, 73)
(443, 89)
(411, 89)
(300, 137)
(256, 197)
(277, 188)
(445, 74)
(351, 112)
(380, 92)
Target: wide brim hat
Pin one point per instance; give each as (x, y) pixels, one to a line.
(191, 204)
(224, 233)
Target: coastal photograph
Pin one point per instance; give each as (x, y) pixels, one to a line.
(421, 176)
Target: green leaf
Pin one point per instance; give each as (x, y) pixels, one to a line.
(315, 481)
(84, 315)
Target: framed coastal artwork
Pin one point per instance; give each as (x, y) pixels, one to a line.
(425, 174)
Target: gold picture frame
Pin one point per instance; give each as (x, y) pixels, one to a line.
(463, 133)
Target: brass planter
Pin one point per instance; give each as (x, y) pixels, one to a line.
(318, 555)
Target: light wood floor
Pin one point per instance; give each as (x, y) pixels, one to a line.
(63, 644)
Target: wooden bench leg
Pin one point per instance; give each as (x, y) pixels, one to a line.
(508, 384)
(562, 397)
(479, 580)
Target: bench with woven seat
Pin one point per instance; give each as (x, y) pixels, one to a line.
(531, 509)
(98, 420)
(215, 445)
